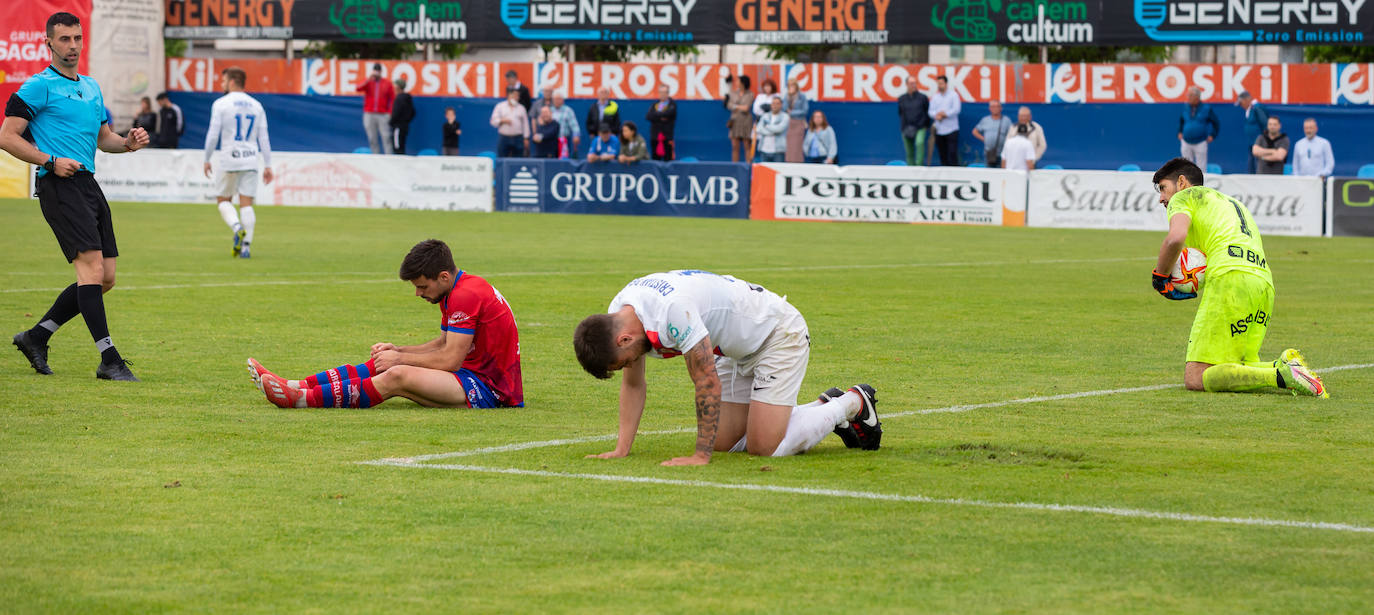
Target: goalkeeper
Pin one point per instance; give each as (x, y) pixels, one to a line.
(1223, 346)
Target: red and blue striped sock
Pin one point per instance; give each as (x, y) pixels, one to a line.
(340, 373)
(344, 394)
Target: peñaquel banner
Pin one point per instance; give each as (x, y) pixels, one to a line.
(1322, 84)
(785, 22)
(927, 195)
(645, 188)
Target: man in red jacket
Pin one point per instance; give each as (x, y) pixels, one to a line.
(377, 97)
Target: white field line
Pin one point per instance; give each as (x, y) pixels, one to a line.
(521, 446)
(328, 278)
(419, 462)
(893, 497)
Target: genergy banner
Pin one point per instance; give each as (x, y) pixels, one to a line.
(929, 195)
(1325, 84)
(1280, 204)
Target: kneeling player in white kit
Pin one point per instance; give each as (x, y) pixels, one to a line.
(746, 350)
(238, 126)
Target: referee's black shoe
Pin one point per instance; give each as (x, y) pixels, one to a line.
(115, 370)
(36, 354)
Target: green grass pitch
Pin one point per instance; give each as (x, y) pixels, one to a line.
(189, 492)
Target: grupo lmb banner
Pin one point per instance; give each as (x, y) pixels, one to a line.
(22, 34)
(928, 195)
(1347, 84)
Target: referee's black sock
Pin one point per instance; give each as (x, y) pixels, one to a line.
(62, 310)
(92, 305)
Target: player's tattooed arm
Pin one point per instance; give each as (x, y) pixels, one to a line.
(701, 366)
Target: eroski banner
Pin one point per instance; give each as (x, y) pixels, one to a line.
(453, 183)
(1281, 204)
(645, 188)
(938, 195)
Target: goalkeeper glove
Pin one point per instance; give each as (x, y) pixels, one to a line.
(1165, 287)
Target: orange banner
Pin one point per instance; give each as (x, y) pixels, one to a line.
(1345, 84)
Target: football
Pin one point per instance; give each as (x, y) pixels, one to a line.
(1188, 270)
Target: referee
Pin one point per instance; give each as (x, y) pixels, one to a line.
(66, 116)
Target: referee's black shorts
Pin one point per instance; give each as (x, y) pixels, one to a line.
(78, 213)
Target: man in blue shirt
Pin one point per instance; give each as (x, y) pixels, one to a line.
(1197, 126)
(1256, 120)
(66, 116)
(605, 148)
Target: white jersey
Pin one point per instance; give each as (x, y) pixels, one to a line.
(680, 308)
(238, 126)
(1018, 152)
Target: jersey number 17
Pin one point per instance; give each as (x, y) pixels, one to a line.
(239, 133)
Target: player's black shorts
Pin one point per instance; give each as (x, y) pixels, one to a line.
(78, 213)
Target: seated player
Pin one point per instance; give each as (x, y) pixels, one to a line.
(474, 363)
(746, 351)
(1238, 298)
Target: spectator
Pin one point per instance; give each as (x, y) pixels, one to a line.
(767, 90)
(512, 124)
(772, 132)
(1256, 120)
(606, 147)
(819, 142)
(662, 118)
(452, 130)
(1312, 154)
(740, 102)
(798, 107)
(402, 113)
(913, 110)
(1018, 153)
(604, 111)
(1271, 149)
(146, 119)
(513, 81)
(570, 133)
(170, 122)
(1197, 127)
(993, 130)
(632, 147)
(545, 100)
(377, 98)
(944, 109)
(1036, 133)
(546, 133)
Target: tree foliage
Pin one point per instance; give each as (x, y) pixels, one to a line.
(174, 47)
(799, 53)
(1338, 53)
(622, 53)
(351, 50)
(1103, 53)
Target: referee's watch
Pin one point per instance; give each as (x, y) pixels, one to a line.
(48, 166)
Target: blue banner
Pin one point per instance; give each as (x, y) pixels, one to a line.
(646, 188)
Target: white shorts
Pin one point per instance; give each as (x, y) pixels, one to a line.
(241, 182)
(773, 374)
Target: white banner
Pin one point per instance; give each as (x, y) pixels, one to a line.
(124, 41)
(453, 183)
(948, 195)
(1281, 204)
(1094, 199)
